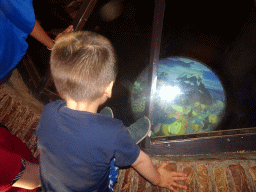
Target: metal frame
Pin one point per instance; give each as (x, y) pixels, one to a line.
(83, 14)
(219, 142)
(153, 60)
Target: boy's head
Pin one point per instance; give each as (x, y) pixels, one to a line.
(83, 64)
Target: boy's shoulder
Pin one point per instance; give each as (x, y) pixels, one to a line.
(54, 104)
(57, 102)
(52, 109)
(59, 107)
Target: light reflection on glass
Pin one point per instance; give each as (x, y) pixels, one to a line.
(169, 93)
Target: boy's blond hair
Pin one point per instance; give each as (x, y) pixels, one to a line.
(82, 65)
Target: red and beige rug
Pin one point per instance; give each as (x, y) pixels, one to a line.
(20, 111)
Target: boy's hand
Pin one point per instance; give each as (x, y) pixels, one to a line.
(168, 178)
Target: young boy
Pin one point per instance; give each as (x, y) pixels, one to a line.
(76, 143)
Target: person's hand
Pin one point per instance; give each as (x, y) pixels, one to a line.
(68, 30)
(168, 178)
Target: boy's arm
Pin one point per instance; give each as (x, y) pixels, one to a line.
(160, 176)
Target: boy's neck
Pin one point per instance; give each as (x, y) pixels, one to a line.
(91, 106)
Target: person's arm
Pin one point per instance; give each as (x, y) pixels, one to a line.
(160, 177)
(30, 178)
(40, 35)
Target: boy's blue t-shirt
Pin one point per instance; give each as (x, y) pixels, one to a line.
(76, 148)
(17, 20)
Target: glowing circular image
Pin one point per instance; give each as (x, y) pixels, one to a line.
(189, 98)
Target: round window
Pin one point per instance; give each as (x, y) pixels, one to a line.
(189, 98)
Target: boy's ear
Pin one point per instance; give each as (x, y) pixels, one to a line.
(109, 88)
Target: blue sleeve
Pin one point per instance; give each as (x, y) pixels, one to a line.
(126, 152)
(20, 13)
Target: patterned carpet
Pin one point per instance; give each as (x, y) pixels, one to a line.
(20, 111)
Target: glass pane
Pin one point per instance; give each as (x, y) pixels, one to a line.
(189, 98)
